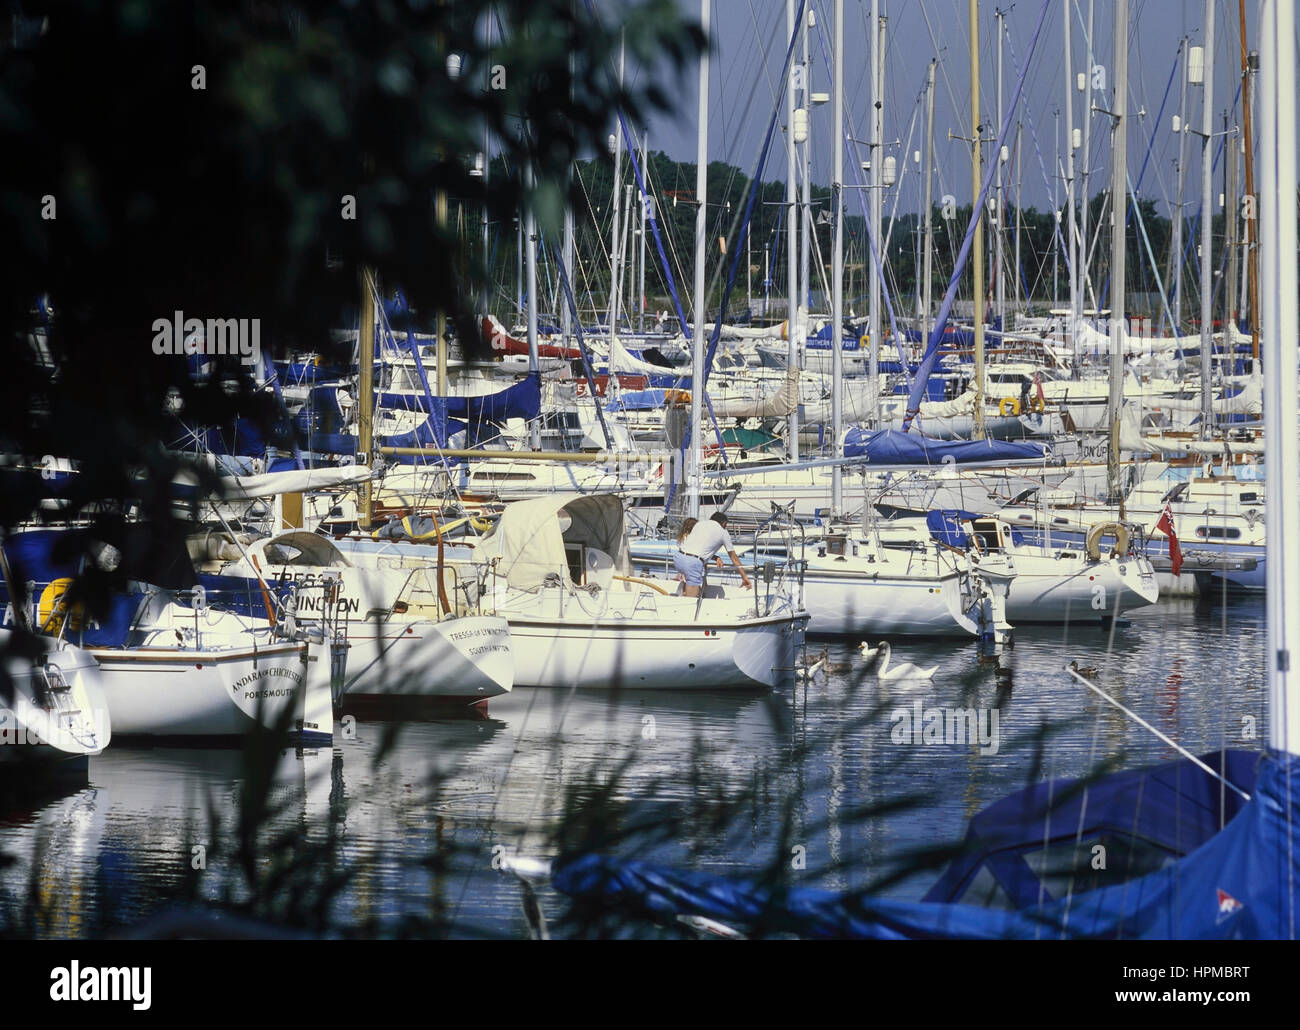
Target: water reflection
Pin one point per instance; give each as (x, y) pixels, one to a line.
(405, 819)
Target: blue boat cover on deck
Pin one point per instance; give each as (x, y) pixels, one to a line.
(946, 527)
(47, 557)
(1236, 882)
(523, 400)
(642, 400)
(893, 447)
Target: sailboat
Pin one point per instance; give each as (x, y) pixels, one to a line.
(169, 665)
(557, 569)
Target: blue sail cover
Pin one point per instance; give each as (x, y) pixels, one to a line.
(946, 527)
(643, 400)
(523, 400)
(1238, 882)
(893, 447)
(44, 557)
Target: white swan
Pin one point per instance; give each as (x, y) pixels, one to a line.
(868, 652)
(905, 671)
(812, 668)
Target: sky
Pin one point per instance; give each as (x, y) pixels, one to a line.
(750, 36)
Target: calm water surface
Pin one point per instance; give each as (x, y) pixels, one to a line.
(413, 814)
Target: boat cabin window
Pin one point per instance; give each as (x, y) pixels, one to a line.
(577, 560)
(1176, 494)
(987, 535)
(304, 551)
(1218, 532)
(502, 476)
(837, 545)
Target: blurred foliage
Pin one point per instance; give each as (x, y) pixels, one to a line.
(201, 158)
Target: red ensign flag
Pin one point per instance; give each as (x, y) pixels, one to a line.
(1166, 526)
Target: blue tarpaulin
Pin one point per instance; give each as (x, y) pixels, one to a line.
(892, 447)
(1230, 883)
(523, 400)
(946, 527)
(642, 400)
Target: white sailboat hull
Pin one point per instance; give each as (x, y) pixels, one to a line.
(456, 661)
(216, 692)
(654, 656)
(856, 605)
(36, 727)
(1041, 592)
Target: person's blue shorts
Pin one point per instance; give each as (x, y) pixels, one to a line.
(691, 568)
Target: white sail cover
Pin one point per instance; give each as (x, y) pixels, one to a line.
(528, 541)
(292, 481)
(777, 404)
(1131, 439)
(962, 405)
(1092, 339)
(620, 360)
(802, 326)
(1250, 401)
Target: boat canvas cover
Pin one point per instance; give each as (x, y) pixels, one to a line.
(946, 527)
(1236, 883)
(292, 481)
(894, 447)
(522, 400)
(528, 541)
(48, 557)
(777, 404)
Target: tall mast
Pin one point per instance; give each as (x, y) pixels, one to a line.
(1119, 190)
(837, 265)
(624, 247)
(1071, 240)
(1000, 264)
(487, 165)
(807, 234)
(645, 214)
(1207, 263)
(792, 233)
(701, 200)
(1176, 245)
(1277, 81)
(977, 248)
(366, 388)
(1056, 211)
(877, 158)
(530, 226)
(566, 316)
(1249, 237)
(1231, 156)
(1020, 206)
(614, 200)
(929, 203)
(1085, 251)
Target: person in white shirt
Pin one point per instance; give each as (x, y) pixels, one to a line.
(701, 545)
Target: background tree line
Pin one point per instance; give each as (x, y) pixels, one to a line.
(1042, 270)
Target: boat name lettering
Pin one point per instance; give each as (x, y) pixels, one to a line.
(258, 674)
(468, 633)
